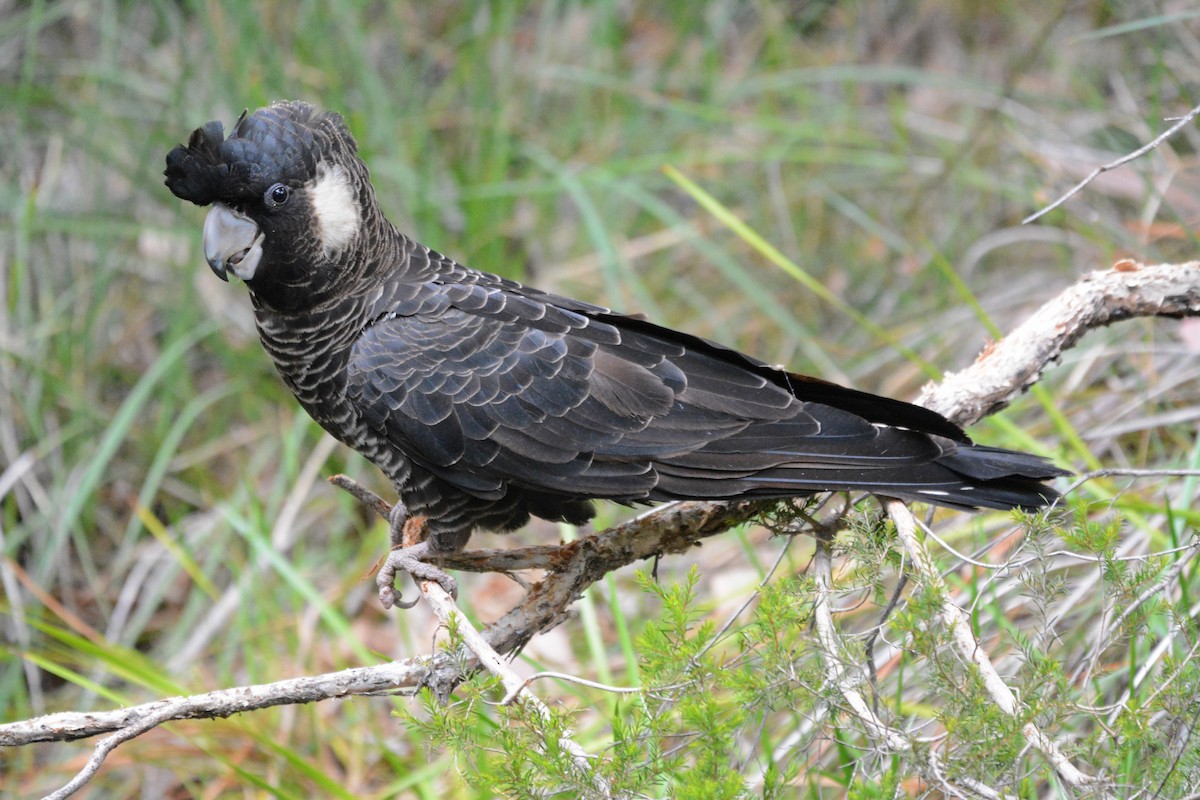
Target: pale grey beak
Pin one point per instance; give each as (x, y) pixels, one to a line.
(232, 243)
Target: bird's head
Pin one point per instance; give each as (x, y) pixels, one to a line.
(289, 197)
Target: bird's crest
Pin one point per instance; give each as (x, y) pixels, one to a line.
(280, 143)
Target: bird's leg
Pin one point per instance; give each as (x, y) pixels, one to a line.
(397, 518)
(410, 550)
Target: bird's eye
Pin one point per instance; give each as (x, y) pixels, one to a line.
(277, 195)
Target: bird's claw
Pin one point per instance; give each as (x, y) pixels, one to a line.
(412, 561)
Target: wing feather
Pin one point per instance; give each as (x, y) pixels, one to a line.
(492, 386)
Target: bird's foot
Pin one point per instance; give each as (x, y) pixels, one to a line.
(410, 554)
(410, 560)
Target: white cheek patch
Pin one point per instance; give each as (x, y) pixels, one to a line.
(334, 209)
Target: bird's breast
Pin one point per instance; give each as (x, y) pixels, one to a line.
(310, 351)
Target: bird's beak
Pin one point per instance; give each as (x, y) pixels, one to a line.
(232, 243)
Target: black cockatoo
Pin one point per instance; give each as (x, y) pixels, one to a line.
(486, 401)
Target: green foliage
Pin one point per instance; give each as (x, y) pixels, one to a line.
(1092, 535)
(723, 715)
(699, 696)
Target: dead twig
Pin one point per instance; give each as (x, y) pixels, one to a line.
(66, 726)
(450, 615)
(1013, 364)
(958, 624)
(843, 675)
(1125, 159)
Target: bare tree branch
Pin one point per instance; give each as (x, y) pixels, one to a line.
(1008, 367)
(999, 374)
(68, 725)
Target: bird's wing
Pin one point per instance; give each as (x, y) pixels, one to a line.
(488, 387)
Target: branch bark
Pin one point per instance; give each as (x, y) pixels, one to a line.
(1008, 367)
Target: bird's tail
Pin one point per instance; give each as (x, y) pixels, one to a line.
(992, 477)
(965, 476)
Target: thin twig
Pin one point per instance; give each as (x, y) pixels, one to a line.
(959, 627)
(564, 676)
(841, 674)
(1098, 171)
(963, 557)
(449, 614)
(1122, 472)
(106, 746)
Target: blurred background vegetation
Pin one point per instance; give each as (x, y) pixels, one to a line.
(164, 521)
